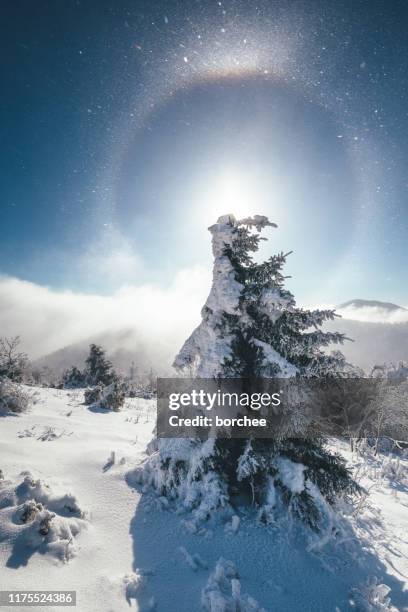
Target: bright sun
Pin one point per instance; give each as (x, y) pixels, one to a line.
(233, 193)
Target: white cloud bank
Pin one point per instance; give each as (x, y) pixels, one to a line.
(374, 314)
(47, 319)
(160, 318)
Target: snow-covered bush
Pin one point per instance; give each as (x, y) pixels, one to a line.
(371, 410)
(390, 411)
(251, 327)
(394, 470)
(93, 395)
(73, 378)
(222, 592)
(111, 397)
(185, 470)
(13, 397)
(30, 512)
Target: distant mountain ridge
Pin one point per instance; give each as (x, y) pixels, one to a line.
(122, 348)
(359, 303)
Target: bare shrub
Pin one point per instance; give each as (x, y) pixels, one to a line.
(13, 362)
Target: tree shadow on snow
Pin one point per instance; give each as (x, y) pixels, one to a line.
(274, 565)
(8, 413)
(98, 409)
(22, 552)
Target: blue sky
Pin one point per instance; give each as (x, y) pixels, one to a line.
(128, 126)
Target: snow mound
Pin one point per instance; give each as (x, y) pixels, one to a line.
(33, 519)
(222, 592)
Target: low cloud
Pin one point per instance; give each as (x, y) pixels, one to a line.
(111, 259)
(47, 319)
(374, 314)
(160, 319)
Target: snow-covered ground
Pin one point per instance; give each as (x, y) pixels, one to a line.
(121, 548)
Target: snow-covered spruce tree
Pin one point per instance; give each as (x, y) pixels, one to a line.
(73, 378)
(98, 369)
(251, 327)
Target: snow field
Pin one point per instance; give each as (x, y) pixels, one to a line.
(121, 546)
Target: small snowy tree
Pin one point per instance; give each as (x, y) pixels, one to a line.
(251, 327)
(73, 378)
(98, 369)
(13, 362)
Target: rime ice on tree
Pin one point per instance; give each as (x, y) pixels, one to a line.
(250, 323)
(251, 327)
